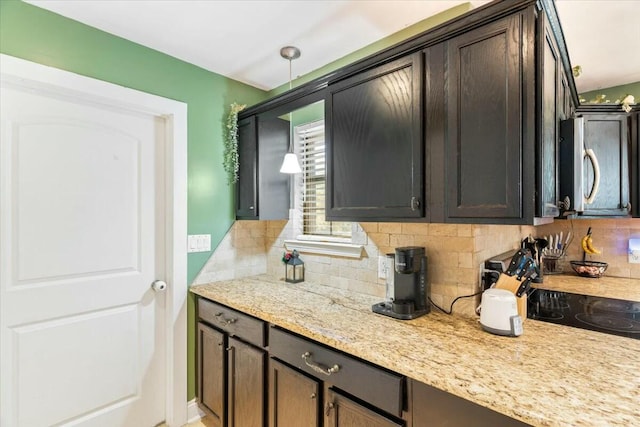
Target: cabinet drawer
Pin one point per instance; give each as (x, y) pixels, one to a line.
(374, 385)
(233, 322)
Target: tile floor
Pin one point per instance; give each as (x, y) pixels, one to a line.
(204, 422)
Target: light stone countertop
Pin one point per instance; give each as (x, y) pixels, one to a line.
(552, 375)
(605, 286)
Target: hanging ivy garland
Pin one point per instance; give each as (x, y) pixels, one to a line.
(230, 159)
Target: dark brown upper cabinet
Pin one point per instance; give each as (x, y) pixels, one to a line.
(458, 124)
(480, 115)
(606, 133)
(262, 191)
(551, 93)
(374, 143)
(495, 98)
(486, 147)
(634, 162)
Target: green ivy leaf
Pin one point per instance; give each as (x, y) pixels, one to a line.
(230, 160)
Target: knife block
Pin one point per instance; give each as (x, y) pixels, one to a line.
(511, 283)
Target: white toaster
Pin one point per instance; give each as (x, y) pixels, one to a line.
(499, 313)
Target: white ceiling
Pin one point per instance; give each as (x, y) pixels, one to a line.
(241, 39)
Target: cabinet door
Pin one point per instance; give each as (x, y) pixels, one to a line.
(211, 373)
(340, 411)
(374, 144)
(294, 398)
(634, 154)
(246, 393)
(552, 95)
(247, 186)
(606, 135)
(273, 186)
(485, 147)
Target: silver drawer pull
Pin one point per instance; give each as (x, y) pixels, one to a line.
(319, 368)
(224, 321)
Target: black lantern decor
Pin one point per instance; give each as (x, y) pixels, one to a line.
(294, 267)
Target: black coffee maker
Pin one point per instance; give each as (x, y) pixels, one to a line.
(408, 298)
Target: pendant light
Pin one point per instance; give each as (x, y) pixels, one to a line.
(290, 164)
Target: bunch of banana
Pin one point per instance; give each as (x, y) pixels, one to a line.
(587, 244)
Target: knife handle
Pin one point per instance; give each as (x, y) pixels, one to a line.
(524, 287)
(525, 269)
(515, 262)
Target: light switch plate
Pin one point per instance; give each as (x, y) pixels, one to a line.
(199, 243)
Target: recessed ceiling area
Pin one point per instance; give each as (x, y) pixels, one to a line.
(241, 39)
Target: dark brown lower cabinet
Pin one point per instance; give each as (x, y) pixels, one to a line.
(211, 373)
(309, 384)
(433, 407)
(246, 406)
(294, 398)
(231, 366)
(340, 411)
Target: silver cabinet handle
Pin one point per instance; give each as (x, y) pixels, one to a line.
(306, 356)
(220, 318)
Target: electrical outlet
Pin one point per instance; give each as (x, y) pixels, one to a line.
(382, 267)
(634, 251)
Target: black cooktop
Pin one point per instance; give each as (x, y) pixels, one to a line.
(607, 315)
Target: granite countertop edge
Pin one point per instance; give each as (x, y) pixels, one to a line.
(545, 377)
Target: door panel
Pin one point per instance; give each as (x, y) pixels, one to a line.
(211, 373)
(80, 242)
(247, 187)
(95, 158)
(374, 147)
(606, 135)
(116, 376)
(343, 412)
(294, 398)
(246, 385)
(484, 122)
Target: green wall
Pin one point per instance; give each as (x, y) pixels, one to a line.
(40, 36)
(613, 93)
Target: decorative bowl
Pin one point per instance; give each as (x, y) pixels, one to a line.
(593, 269)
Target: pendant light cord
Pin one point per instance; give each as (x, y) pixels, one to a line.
(290, 114)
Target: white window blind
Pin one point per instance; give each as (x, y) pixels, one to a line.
(311, 140)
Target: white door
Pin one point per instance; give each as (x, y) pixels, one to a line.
(81, 229)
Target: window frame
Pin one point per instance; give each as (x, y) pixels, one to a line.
(300, 182)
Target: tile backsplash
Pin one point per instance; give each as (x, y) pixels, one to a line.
(454, 253)
(610, 236)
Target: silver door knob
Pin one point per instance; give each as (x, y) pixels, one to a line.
(159, 285)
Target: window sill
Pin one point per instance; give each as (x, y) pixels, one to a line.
(348, 250)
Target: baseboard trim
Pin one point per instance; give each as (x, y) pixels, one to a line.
(194, 413)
